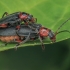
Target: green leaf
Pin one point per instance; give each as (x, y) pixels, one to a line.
(49, 13)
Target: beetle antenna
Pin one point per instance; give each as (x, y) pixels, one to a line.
(62, 25)
(63, 31)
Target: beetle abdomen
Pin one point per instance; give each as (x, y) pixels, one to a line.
(9, 38)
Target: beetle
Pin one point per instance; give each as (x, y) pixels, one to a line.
(20, 36)
(30, 32)
(15, 19)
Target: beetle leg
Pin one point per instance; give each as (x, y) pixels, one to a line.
(43, 47)
(16, 46)
(3, 45)
(27, 38)
(5, 13)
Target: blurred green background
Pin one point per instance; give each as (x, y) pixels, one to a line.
(55, 57)
(50, 13)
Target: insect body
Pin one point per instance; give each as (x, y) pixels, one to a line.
(30, 32)
(24, 34)
(15, 19)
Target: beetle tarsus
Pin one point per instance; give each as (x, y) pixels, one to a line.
(43, 47)
(3, 45)
(16, 46)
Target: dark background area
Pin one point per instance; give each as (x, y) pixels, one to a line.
(55, 57)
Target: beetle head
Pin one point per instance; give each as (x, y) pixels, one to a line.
(44, 32)
(27, 17)
(52, 36)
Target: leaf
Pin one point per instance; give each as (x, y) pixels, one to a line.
(49, 13)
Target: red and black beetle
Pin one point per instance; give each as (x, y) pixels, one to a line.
(30, 32)
(15, 19)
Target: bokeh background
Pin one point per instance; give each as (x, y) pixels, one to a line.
(55, 57)
(50, 13)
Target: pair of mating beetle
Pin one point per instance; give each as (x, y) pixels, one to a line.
(11, 29)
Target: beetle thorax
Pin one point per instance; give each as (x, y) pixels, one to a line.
(44, 32)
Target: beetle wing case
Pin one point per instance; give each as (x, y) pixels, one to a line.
(10, 19)
(8, 31)
(23, 31)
